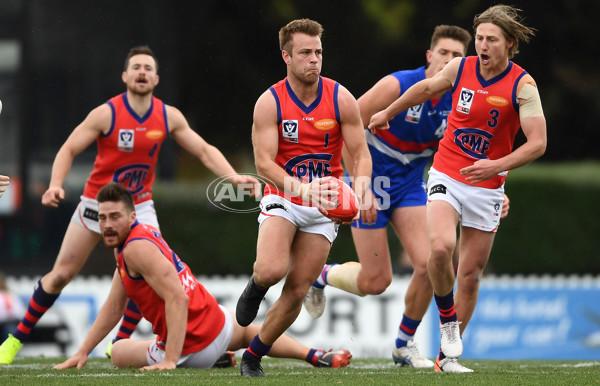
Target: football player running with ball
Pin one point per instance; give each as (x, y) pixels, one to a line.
(300, 126)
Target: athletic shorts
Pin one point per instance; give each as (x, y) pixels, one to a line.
(413, 193)
(479, 208)
(86, 214)
(204, 358)
(307, 219)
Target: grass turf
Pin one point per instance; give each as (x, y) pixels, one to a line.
(36, 371)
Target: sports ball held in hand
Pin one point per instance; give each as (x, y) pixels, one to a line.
(347, 204)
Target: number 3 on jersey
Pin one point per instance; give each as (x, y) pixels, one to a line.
(493, 122)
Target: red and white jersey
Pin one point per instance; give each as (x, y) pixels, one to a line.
(483, 122)
(205, 318)
(127, 154)
(310, 137)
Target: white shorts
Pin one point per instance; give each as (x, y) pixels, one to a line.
(479, 208)
(307, 219)
(203, 359)
(86, 214)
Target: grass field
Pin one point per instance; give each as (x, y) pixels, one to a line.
(36, 371)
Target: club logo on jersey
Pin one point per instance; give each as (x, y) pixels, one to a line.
(496, 101)
(155, 134)
(289, 130)
(465, 100)
(325, 124)
(474, 142)
(188, 281)
(309, 166)
(439, 188)
(126, 137)
(413, 114)
(132, 177)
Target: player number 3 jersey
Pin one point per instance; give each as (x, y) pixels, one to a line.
(483, 122)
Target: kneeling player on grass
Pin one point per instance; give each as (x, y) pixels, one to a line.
(192, 329)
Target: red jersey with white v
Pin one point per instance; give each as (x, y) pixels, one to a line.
(128, 153)
(483, 122)
(205, 320)
(310, 137)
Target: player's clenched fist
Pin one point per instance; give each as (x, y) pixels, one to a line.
(53, 196)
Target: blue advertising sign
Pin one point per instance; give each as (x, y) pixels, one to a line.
(533, 321)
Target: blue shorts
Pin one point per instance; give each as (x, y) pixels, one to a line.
(398, 194)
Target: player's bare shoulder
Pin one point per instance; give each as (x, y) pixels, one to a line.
(175, 119)
(450, 70)
(99, 119)
(265, 109)
(348, 105)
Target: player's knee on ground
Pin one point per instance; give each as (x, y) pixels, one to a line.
(119, 355)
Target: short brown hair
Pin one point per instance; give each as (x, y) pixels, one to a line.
(509, 21)
(305, 26)
(450, 32)
(140, 50)
(115, 192)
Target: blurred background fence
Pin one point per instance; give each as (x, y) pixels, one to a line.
(59, 59)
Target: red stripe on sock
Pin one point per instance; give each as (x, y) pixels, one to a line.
(407, 330)
(24, 329)
(253, 353)
(37, 307)
(122, 335)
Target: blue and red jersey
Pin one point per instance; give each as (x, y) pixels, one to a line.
(402, 152)
(127, 154)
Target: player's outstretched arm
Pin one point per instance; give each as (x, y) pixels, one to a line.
(378, 98)
(143, 258)
(97, 122)
(417, 94)
(108, 317)
(208, 154)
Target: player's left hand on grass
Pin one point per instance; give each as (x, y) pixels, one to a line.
(78, 360)
(164, 365)
(480, 171)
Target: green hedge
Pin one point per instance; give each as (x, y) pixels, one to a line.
(552, 227)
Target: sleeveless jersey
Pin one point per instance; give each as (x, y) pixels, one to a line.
(483, 122)
(205, 318)
(310, 137)
(403, 151)
(127, 154)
